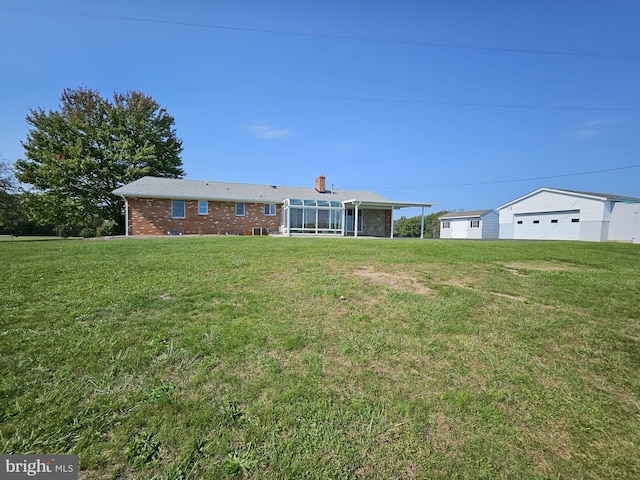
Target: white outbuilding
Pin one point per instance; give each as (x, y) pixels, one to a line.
(476, 224)
(556, 214)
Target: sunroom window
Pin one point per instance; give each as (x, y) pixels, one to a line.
(313, 216)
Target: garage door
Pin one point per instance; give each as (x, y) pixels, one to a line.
(563, 225)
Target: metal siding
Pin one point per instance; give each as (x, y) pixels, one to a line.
(625, 223)
(445, 232)
(490, 226)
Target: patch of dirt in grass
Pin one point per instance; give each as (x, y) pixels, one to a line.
(444, 437)
(622, 395)
(403, 281)
(467, 284)
(510, 297)
(551, 444)
(540, 266)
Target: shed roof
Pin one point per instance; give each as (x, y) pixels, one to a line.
(154, 187)
(595, 196)
(468, 214)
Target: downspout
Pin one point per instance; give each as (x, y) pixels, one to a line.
(126, 216)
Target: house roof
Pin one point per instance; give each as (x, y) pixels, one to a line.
(595, 196)
(154, 187)
(468, 214)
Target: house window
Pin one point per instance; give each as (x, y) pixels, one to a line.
(270, 209)
(475, 223)
(535, 222)
(446, 224)
(239, 209)
(575, 220)
(177, 209)
(203, 207)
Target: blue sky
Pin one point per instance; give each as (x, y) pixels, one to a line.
(452, 102)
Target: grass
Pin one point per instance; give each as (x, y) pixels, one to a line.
(218, 357)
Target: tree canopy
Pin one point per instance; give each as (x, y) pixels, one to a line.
(410, 227)
(76, 156)
(8, 197)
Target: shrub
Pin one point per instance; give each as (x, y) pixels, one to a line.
(63, 231)
(88, 232)
(107, 229)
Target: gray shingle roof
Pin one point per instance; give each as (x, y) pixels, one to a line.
(468, 214)
(601, 196)
(154, 187)
(608, 196)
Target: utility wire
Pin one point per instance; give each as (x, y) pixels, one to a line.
(399, 100)
(496, 182)
(329, 36)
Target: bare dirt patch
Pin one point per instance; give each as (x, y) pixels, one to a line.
(403, 281)
(541, 266)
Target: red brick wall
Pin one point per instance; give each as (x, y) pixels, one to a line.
(152, 216)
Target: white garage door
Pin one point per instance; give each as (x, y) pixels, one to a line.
(547, 225)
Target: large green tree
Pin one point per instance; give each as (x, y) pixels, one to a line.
(76, 156)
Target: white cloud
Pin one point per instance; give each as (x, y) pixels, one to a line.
(265, 131)
(586, 133)
(592, 128)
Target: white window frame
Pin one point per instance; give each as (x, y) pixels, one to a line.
(202, 203)
(240, 209)
(270, 209)
(446, 224)
(173, 209)
(475, 223)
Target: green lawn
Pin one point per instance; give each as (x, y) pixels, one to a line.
(262, 358)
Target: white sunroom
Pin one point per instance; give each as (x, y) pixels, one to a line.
(342, 217)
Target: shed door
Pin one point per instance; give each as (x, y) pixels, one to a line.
(459, 228)
(563, 225)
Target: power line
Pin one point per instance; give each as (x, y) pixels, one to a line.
(497, 182)
(399, 100)
(330, 36)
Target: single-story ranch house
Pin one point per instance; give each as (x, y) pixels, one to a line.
(165, 206)
(475, 224)
(555, 214)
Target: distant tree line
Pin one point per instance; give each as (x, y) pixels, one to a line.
(410, 227)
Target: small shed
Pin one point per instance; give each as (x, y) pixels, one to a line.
(476, 224)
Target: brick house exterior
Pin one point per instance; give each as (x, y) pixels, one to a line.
(152, 216)
(161, 206)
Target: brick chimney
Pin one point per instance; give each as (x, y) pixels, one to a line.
(321, 184)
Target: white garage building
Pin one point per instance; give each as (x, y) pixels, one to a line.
(555, 214)
(476, 224)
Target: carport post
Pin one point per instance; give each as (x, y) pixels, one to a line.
(392, 207)
(422, 224)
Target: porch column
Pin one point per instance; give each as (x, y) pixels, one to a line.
(392, 207)
(422, 224)
(355, 220)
